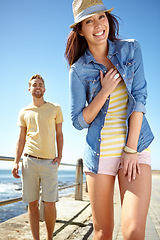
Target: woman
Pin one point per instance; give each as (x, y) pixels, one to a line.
(108, 96)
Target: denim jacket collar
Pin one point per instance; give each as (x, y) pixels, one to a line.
(89, 57)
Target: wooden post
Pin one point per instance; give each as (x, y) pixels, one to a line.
(79, 180)
(86, 187)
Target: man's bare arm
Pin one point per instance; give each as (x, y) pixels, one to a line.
(19, 150)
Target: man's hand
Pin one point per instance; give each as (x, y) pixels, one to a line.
(58, 160)
(15, 170)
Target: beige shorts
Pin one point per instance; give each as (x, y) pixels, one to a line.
(36, 173)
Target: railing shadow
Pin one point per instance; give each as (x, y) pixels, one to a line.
(70, 222)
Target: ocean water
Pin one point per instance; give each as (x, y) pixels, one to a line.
(12, 188)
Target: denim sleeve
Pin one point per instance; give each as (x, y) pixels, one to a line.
(139, 86)
(77, 100)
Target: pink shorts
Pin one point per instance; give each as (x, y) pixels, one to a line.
(111, 165)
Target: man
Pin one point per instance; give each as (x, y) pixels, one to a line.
(38, 124)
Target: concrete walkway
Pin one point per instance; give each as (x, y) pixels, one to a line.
(74, 219)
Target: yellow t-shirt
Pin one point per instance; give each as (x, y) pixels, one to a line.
(40, 123)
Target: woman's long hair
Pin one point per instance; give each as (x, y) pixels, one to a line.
(77, 44)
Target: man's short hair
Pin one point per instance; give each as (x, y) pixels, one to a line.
(36, 76)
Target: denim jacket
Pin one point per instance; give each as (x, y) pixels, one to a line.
(84, 77)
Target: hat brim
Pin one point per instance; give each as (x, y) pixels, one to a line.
(90, 15)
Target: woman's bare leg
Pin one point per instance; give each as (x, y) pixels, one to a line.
(135, 199)
(101, 190)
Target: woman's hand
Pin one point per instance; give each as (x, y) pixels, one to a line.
(110, 81)
(130, 165)
(129, 161)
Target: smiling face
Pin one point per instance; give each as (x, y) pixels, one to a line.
(95, 30)
(37, 88)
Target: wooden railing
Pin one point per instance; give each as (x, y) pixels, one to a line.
(78, 181)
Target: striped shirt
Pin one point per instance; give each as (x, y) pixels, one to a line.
(113, 134)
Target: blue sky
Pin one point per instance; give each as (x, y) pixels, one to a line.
(33, 39)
